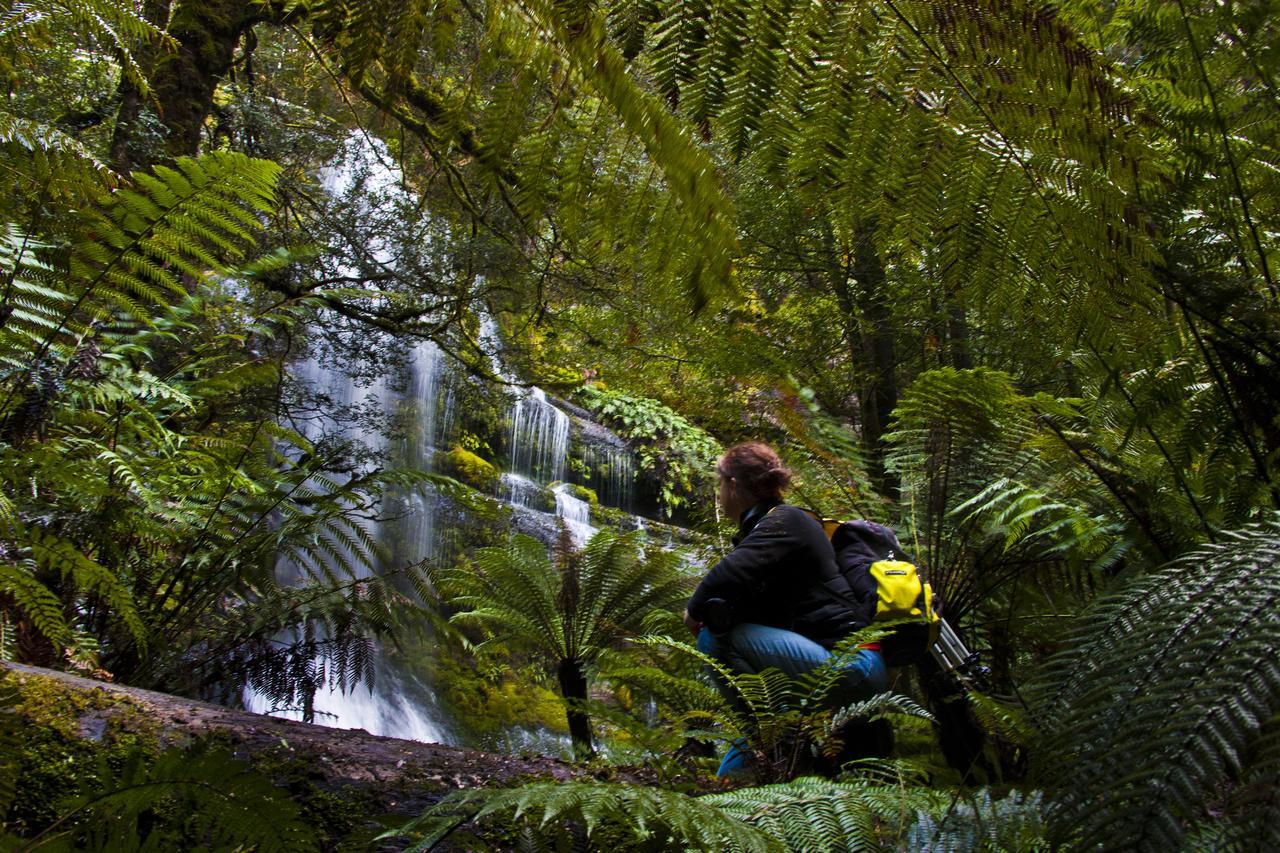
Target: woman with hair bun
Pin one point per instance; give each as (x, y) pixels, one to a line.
(777, 599)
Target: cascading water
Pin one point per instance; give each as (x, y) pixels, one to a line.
(539, 437)
(394, 703)
(428, 411)
(576, 514)
(611, 474)
(419, 396)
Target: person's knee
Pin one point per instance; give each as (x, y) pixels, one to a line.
(708, 643)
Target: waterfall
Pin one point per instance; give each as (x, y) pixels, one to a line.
(428, 409)
(612, 473)
(539, 437)
(520, 491)
(576, 514)
(395, 703)
(416, 400)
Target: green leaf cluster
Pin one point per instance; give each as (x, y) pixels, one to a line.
(678, 454)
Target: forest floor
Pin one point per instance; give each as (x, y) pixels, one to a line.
(399, 776)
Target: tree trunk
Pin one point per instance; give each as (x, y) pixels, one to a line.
(859, 285)
(127, 144)
(573, 687)
(183, 80)
(880, 392)
(384, 768)
(958, 337)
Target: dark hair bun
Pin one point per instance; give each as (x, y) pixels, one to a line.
(757, 468)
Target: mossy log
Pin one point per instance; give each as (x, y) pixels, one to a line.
(386, 775)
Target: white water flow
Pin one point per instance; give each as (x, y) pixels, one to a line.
(519, 490)
(539, 437)
(612, 473)
(539, 447)
(576, 514)
(395, 703)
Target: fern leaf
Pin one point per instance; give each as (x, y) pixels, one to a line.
(1165, 689)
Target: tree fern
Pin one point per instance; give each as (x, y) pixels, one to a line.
(135, 244)
(567, 613)
(982, 822)
(807, 814)
(815, 814)
(1163, 695)
(1248, 817)
(788, 726)
(968, 449)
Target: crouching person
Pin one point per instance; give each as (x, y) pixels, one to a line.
(777, 599)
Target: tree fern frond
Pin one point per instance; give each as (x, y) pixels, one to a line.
(220, 801)
(33, 136)
(817, 814)
(31, 598)
(1164, 689)
(982, 822)
(647, 817)
(58, 555)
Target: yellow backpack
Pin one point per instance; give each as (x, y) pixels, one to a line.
(877, 569)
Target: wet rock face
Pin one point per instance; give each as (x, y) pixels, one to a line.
(543, 526)
(520, 491)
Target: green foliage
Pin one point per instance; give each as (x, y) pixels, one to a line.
(1161, 699)
(806, 814)
(600, 151)
(790, 726)
(1015, 822)
(668, 447)
(147, 489)
(606, 814)
(992, 498)
(195, 798)
(128, 254)
(816, 814)
(565, 613)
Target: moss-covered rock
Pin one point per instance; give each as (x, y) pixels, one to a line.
(487, 704)
(582, 493)
(462, 464)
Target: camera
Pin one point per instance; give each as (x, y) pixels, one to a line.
(718, 615)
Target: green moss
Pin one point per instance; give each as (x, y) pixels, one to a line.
(466, 466)
(69, 740)
(489, 703)
(66, 736)
(480, 408)
(334, 813)
(582, 493)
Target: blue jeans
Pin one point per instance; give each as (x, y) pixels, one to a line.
(751, 648)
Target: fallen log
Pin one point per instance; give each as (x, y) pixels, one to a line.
(381, 775)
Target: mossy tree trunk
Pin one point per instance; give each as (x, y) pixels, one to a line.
(183, 80)
(857, 278)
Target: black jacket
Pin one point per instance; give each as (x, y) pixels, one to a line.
(782, 572)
